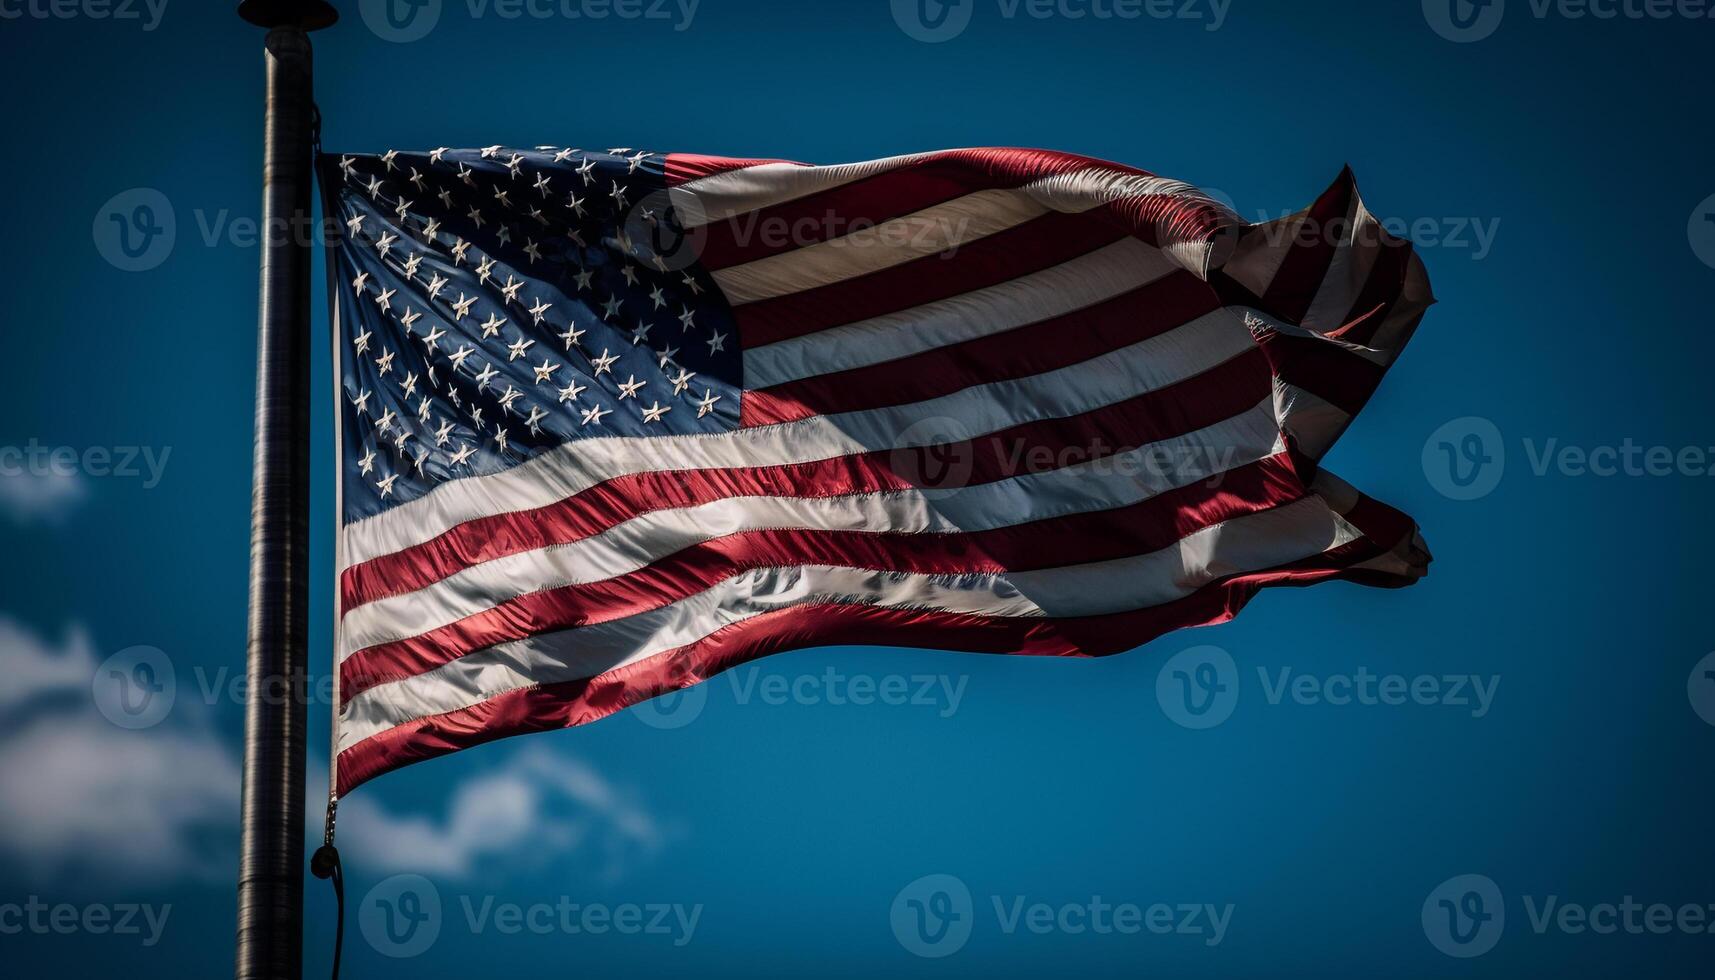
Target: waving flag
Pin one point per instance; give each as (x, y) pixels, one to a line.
(613, 422)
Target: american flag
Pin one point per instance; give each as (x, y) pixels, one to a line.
(612, 422)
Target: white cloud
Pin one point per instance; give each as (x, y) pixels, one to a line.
(41, 498)
(538, 806)
(78, 792)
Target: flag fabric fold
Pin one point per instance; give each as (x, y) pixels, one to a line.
(612, 422)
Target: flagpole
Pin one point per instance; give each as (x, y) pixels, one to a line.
(271, 869)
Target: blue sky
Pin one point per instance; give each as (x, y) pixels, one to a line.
(1555, 738)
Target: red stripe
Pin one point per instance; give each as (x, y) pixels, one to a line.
(1310, 254)
(1078, 539)
(1147, 311)
(863, 203)
(1040, 243)
(572, 703)
(1215, 395)
(683, 168)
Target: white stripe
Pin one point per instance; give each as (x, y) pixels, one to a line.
(1348, 271)
(1119, 480)
(939, 229)
(718, 197)
(574, 467)
(1073, 285)
(1252, 543)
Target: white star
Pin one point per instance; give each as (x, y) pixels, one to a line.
(417, 463)
(388, 158)
(490, 152)
(436, 154)
(410, 384)
(694, 286)
(461, 309)
(385, 299)
(576, 204)
(354, 224)
(534, 422)
(417, 181)
(436, 284)
(515, 165)
(656, 297)
(361, 341)
(432, 230)
(533, 250)
(508, 397)
(409, 318)
(654, 412)
(374, 188)
(545, 372)
(399, 443)
(563, 156)
(361, 403)
(385, 422)
(459, 249)
(604, 363)
(458, 357)
(618, 195)
(432, 341)
(504, 236)
(584, 278)
(386, 486)
(630, 387)
(464, 453)
(475, 215)
(542, 181)
(518, 348)
(500, 436)
(540, 311)
(484, 270)
(572, 391)
(349, 166)
(707, 405)
(367, 463)
(717, 342)
(683, 381)
(444, 434)
(594, 413)
(630, 275)
(384, 244)
(686, 318)
(360, 281)
(572, 335)
(587, 172)
(639, 333)
(384, 363)
(403, 209)
(510, 290)
(487, 375)
(492, 325)
(612, 307)
(500, 195)
(637, 161)
(666, 354)
(446, 197)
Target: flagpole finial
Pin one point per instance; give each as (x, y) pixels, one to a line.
(308, 15)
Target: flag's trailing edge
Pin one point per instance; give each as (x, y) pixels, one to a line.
(613, 422)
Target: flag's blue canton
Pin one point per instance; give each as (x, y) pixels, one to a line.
(497, 303)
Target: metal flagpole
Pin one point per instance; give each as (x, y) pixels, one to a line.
(271, 869)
